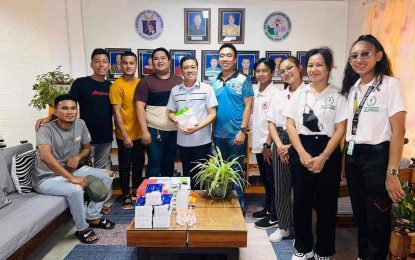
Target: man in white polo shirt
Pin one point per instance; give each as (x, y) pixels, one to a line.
(194, 138)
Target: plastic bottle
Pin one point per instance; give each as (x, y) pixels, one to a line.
(182, 200)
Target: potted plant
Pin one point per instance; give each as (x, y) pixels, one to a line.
(48, 87)
(217, 175)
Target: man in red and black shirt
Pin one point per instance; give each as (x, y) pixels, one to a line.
(159, 134)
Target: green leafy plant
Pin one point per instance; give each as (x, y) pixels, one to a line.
(405, 209)
(49, 86)
(217, 175)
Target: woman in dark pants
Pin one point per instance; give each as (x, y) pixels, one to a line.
(375, 134)
(316, 122)
(264, 91)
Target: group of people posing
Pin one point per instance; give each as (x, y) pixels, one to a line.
(297, 132)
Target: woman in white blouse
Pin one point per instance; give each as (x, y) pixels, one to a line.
(375, 134)
(315, 125)
(290, 71)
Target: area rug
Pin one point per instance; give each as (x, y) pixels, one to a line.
(112, 243)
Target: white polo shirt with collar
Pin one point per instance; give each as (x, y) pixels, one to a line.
(261, 105)
(200, 97)
(278, 103)
(329, 106)
(383, 102)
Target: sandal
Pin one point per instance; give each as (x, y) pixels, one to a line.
(127, 203)
(106, 210)
(85, 235)
(103, 224)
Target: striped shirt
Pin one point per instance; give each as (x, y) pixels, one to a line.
(199, 98)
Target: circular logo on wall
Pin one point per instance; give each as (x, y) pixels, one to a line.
(149, 24)
(277, 26)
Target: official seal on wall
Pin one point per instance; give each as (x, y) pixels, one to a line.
(277, 26)
(149, 24)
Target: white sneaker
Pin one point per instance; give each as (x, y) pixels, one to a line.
(278, 235)
(302, 256)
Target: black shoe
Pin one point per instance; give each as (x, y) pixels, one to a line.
(266, 223)
(260, 214)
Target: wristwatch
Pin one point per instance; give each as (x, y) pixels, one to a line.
(244, 130)
(393, 171)
(266, 146)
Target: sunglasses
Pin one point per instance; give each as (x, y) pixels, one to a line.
(288, 69)
(364, 55)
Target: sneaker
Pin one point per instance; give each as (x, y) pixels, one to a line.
(261, 214)
(302, 256)
(278, 235)
(317, 257)
(266, 223)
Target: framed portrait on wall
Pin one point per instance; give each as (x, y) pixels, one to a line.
(176, 56)
(277, 57)
(115, 62)
(197, 25)
(231, 27)
(145, 64)
(245, 61)
(210, 64)
(301, 56)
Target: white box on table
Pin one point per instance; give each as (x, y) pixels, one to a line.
(162, 222)
(143, 222)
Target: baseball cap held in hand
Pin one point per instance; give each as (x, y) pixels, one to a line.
(96, 190)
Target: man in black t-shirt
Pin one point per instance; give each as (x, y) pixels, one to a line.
(92, 93)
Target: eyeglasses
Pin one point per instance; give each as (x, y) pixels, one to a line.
(288, 69)
(355, 56)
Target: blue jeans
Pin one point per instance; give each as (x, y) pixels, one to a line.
(161, 153)
(60, 186)
(229, 151)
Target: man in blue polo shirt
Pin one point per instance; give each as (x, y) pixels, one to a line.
(194, 138)
(234, 93)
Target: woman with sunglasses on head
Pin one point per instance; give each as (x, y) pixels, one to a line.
(316, 123)
(261, 141)
(375, 135)
(290, 71)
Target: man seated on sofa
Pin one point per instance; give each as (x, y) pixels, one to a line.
(61, 145)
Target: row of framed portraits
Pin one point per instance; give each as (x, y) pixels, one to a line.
(197, 24)
(209, 65)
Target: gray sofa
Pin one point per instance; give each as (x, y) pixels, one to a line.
(28, 215)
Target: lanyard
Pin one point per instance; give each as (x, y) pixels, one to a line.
(359, 109)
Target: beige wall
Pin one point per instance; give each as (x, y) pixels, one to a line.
(37, 36)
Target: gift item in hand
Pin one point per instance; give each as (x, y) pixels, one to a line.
(186, 118)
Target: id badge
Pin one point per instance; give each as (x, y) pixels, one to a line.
(350, 147)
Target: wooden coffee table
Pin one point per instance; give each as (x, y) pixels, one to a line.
(220, 229)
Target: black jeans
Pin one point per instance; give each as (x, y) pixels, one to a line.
(315, 190)
(267, 176)
(130, 158)
(366, 176)
(190, 156)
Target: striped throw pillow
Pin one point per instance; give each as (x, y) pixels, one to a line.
(21, 173)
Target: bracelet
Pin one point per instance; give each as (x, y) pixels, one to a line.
(325, 155)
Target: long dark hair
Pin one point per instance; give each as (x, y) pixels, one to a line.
(297, 63)
(382, 67)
